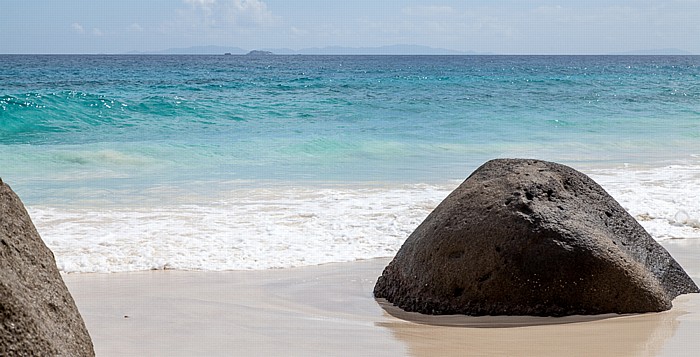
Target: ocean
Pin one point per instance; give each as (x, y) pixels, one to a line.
(130, 163)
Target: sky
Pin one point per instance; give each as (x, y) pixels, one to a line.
(483, 26)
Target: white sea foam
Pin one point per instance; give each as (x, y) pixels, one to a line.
(256, 228)
(250, 229)
(664, 200)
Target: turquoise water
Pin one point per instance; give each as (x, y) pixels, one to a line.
(146, 120)
(105, 133)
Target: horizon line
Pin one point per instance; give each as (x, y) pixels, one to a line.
(344, 54)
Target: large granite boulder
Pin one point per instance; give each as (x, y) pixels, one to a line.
(528, 237)
(39, 316)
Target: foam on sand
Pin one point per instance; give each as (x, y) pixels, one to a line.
(664, 200)
(279, 227)
(251, 229)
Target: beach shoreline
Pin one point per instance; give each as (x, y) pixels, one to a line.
(329, 310)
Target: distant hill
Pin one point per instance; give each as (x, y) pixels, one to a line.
(332, 50)
(656, 52)
(383, 50)
(196, 50)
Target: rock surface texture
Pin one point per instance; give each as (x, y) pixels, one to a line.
(39, 316)
(529, 237)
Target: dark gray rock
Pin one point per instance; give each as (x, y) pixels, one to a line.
(39, 316)
(528, 237)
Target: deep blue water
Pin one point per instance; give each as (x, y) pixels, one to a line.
(71, 126)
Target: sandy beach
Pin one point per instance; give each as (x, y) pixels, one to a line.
(329, 310)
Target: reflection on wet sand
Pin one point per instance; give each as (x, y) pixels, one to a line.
(628, 335)
(488, 321)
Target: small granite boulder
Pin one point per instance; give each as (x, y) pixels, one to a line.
(529, 237)
(39, 316)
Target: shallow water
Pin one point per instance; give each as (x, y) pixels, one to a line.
(231, 162)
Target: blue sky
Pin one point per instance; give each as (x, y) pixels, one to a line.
(508, 27)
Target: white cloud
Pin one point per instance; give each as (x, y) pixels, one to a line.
(254, 10)
(232, 14)
(200, 2)
(297, 31)
(440, 25)
(428, 10)
(78, 28)
(97, 32)
(135, 27)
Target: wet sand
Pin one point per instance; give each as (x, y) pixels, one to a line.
(329, 310)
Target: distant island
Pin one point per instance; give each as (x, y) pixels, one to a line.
(259, 53)
(331, 50)
(380, 50)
